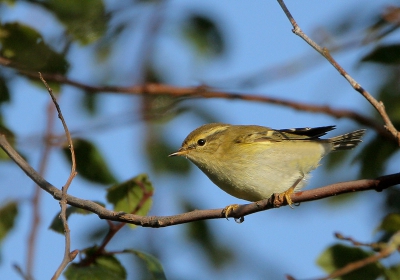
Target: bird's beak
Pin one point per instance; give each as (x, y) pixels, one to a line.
(180, 152)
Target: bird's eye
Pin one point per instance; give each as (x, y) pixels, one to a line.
(201, 142)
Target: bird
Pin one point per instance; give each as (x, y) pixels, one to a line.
(253, 162)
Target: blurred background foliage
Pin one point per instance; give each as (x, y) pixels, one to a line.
(100, 34)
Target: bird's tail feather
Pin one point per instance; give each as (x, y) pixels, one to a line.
(347, 141)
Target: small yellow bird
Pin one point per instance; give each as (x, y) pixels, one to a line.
(253, 162)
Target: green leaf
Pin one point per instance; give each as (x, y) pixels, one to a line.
(8, 213)
(133, 196)
(86, 20)
(57, 224)
(337, 256)
(28, 51)
(90, 163)
(4, 93)
(389, 54)
(202, 32)
(152, 264)
(391, 223)
(103, 267)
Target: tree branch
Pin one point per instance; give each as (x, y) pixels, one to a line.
(377, 184)
(206, 92)
(378, 105)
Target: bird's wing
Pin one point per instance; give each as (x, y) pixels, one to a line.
(307, 132)
(271, 135)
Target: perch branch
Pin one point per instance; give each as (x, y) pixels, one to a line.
(377, 184)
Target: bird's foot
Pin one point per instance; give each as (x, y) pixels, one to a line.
(285, 196)
(229, 209)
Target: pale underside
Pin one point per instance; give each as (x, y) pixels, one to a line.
(263, 169)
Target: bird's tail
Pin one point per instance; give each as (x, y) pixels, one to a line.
(347, 141)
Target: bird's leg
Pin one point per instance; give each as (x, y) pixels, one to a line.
(229, 209)
(286, 194)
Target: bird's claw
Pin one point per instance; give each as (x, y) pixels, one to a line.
(229, 209)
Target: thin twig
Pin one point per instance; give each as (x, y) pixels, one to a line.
(359, 264)
(377, 184)
(68, 255)
(37, 194)
(373, 245)
(378, 105)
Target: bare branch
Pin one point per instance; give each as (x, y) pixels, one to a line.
(376, 246)
(378, 105)
(68, 255)
(206, 92)
(35, 200)
(377, 184)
